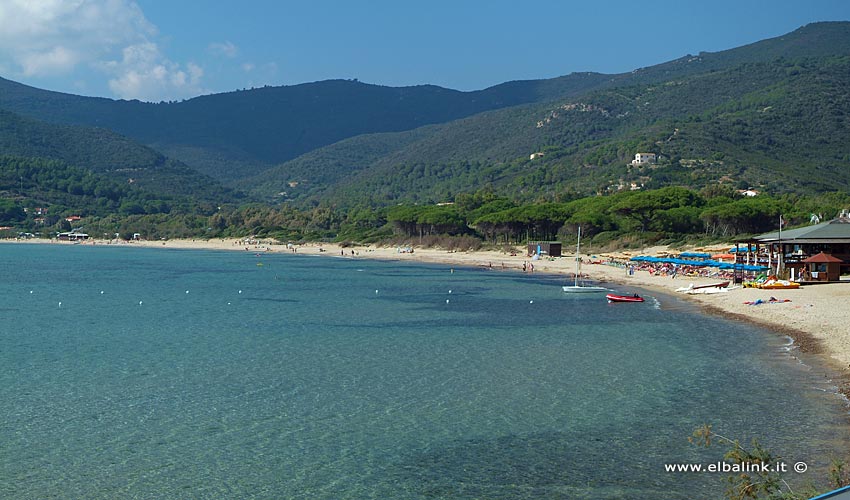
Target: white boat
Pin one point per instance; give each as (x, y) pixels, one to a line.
(576, 287)
(705, 289)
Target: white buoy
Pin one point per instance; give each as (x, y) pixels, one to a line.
(30, 291)
(450, 291)
(187, 291)
(60, 304)
(376, 292)
(101, 292)
(240, 291)
(140, 302)
(447, 301)
(531, 302)
(228, 303)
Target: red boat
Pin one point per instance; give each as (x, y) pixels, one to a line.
(623, 298)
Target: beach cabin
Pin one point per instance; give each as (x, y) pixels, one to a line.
(823, 267)
(549, 248)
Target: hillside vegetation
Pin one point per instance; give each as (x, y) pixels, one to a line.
(236, 135)
(108, 154)
(521, 159)
(778, 126)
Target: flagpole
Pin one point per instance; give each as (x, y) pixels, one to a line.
(779, 257)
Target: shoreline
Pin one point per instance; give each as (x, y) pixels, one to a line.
(814, 318)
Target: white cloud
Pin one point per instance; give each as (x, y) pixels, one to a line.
(50, 36)
(55, 60)
(143, 73)
(44, 38)
(223, 49)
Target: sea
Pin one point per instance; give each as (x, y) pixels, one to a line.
(162, 373)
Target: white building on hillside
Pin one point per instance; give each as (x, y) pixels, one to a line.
(644, 159)
(748, 192)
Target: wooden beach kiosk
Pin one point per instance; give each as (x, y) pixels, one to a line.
(824, 267)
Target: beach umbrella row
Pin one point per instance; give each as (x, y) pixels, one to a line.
(697, 263)
(695, 255)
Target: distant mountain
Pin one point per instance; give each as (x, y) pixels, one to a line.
(768, 114)
(238, 134)
(341, 140)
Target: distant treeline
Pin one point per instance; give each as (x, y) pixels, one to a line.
(666, 213)
(37, 196)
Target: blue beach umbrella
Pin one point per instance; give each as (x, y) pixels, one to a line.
(741, 249)
(698, 255)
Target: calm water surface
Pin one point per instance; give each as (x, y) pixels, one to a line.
(193, 374)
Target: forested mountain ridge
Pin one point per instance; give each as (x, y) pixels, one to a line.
(235, 135)
(777, 125)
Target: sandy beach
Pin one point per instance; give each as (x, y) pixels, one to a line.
(815, 316)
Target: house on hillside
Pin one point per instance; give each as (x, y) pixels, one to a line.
(534, 156)
(642, 159)
(748, 192)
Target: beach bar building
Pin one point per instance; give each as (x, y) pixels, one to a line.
(817, 253)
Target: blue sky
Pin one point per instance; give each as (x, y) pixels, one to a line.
(175, 49)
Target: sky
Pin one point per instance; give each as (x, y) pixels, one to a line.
(164, 50)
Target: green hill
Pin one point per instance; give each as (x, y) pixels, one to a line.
(107, 155)
(235, 135)
(769, 114)
(238, 134)
(777, 124)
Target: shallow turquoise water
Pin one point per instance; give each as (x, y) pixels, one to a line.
(338, 378)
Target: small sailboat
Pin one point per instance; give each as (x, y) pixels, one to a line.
(576, 287)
